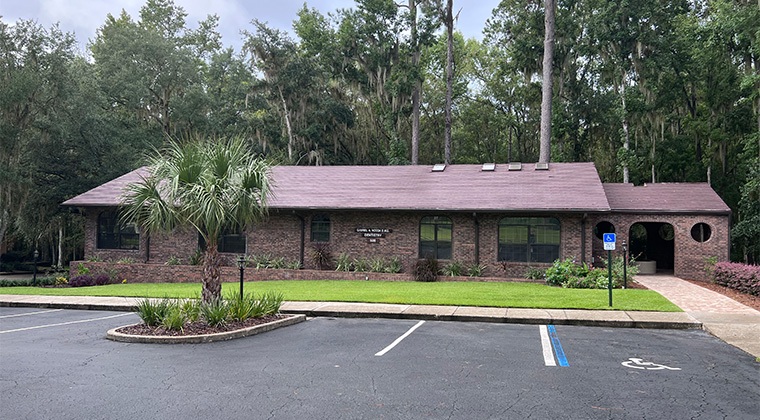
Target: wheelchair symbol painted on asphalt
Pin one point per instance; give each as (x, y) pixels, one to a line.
(635, 363)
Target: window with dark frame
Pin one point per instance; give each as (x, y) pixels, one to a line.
(701, 232)
(435, 237)
(320, 228)
(529, 239)
(230, 242)
(112, 234)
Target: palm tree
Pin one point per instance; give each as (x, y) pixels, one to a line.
(207, 184)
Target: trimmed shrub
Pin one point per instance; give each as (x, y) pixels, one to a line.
(561, 271)
(579, 276)
(102, 280)
(426, 270)
(82, 281)
(741, 277)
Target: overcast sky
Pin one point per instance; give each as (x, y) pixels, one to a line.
(84, 17)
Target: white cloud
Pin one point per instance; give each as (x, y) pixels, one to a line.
(84, 17)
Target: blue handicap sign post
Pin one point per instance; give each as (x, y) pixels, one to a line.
(609, 246)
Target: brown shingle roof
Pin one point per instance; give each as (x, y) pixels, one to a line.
(665, 198)
(564, 187)
(108, 194)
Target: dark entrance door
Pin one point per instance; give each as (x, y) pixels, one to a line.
(652, 241)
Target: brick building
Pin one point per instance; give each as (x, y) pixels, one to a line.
(506, 217)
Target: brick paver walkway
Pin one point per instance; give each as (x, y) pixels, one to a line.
(692, 298)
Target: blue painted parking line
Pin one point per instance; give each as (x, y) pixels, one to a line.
(561, 359)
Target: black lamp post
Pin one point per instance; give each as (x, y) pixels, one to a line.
(241, 265)
(625, 265)
(34, 276)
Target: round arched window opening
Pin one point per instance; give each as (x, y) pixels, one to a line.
(666, 232)
(701, 232)
(603, 227)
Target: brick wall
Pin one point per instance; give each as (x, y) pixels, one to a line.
(160, 273)
(280, 236)
(689, 255)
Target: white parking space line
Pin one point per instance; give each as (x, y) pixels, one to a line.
(66, 323)
(398, 340)
(31, 313)
(546, 346)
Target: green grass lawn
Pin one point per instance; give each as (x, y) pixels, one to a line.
(497, 294)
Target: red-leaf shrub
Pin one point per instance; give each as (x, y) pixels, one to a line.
(102, 280)
(742, 277)
(82, 281)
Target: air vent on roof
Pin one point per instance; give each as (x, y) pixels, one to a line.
(514, 166)
(488, 167)
(439, 167)
(542, 166)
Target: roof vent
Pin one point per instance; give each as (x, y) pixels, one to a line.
(514, 166)
(439, 167)
(542, 166)
(488, 167)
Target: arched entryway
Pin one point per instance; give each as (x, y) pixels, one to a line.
(653, 241)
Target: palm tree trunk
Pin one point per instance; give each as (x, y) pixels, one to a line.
(211, 280)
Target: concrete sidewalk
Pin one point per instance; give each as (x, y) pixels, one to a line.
(627, 319)
(723, 317)
(732, 322)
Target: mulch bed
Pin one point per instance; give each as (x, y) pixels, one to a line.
(197, 328)
(743, 298)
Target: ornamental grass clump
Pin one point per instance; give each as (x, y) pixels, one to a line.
(240, 309)
(152, 312)
(177, 315)
(175, 319)
(215, 312)
(426, 270)
(268, 304)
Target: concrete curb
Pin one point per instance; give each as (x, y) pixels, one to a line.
(204, 338)
(592, 318)
(609, 323)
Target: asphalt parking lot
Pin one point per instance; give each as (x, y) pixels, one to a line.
(57, 364)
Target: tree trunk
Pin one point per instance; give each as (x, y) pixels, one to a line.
(417, 85)
(449, 21)
(211, 280)
(626, 133)
(546, 88)
(286, 115)
(59, 264)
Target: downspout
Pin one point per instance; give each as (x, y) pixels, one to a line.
(303, 238)
(477, 238)
(147, 248)
(583, 238)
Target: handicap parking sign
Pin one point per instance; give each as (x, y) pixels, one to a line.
(609, 241)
